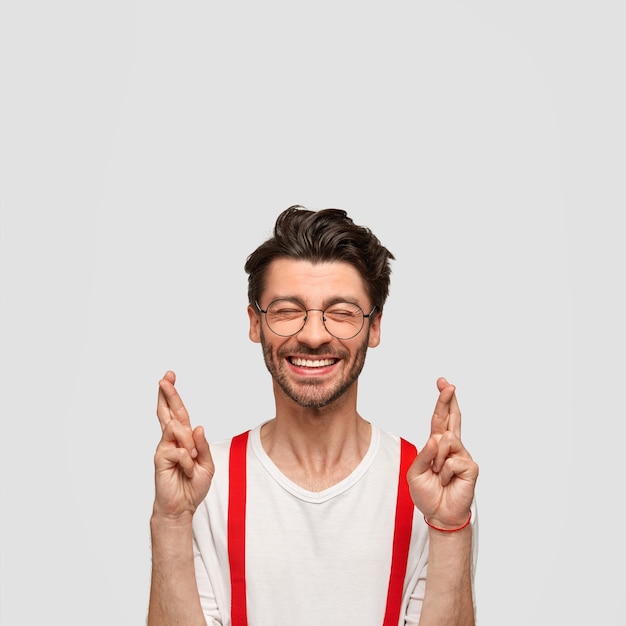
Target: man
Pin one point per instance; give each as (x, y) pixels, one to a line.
(314, 517)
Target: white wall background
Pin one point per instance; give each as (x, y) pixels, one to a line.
(147, 148)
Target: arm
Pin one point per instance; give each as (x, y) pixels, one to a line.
(442, 481)
(174, 595)
(183, 473)
(449, 597)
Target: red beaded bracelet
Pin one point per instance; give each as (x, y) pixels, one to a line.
(449, 530)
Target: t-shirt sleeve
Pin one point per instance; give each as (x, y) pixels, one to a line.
(416, 598)
(208, 600)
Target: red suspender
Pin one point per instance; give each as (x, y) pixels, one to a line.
(401, 536)
(237, 529)
(237, 532)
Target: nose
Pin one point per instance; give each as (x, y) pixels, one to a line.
(314, 332)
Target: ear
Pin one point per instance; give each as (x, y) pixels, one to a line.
(374, 338)
(255, 324)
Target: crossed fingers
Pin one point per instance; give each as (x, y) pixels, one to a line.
(174, 418)
(447, 415)
(169, 403)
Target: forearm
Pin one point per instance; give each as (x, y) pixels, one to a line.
(448, 599)
(174, 597)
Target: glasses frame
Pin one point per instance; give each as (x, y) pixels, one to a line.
(306, 317)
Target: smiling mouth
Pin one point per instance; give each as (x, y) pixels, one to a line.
(312, 363)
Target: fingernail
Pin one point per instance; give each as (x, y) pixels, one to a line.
(194, 453)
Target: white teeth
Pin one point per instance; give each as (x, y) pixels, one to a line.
(309, 363)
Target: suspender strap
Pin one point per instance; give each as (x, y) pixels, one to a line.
(237, 528)
(401, 536)
(237, 532)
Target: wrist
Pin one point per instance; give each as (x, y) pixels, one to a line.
(435, 525)
(162, 519)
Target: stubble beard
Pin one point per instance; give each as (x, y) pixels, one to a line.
(312, 393)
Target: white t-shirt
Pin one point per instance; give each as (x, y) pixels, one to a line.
(312, 558)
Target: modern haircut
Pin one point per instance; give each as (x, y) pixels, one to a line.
(322, 236)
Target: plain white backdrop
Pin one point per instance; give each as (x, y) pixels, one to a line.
(147, 148)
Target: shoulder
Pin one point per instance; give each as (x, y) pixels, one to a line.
(221, 449)
(394, 443)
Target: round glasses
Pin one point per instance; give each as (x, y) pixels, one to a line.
(343, 320)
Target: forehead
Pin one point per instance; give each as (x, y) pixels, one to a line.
(314, 283)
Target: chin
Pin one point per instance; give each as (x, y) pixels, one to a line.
(313, 400)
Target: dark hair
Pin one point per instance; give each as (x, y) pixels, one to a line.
(317, 236)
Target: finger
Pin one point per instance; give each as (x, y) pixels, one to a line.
(163, 409)
(441, 414)
(454, 421)
(179, 435)
(170, 404)
(458, 467)
(176, 456)
(449, 445)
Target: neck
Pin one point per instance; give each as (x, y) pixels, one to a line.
(316, 448)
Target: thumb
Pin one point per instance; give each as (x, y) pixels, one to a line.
(424, 459)
(204, 457)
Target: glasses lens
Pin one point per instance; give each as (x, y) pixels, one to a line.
(343, 320)
(285, 317)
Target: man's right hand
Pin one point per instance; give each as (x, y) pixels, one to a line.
(183, 464)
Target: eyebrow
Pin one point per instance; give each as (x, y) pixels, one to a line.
(328, 302)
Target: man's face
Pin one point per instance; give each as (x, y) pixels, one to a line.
(313, 368)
